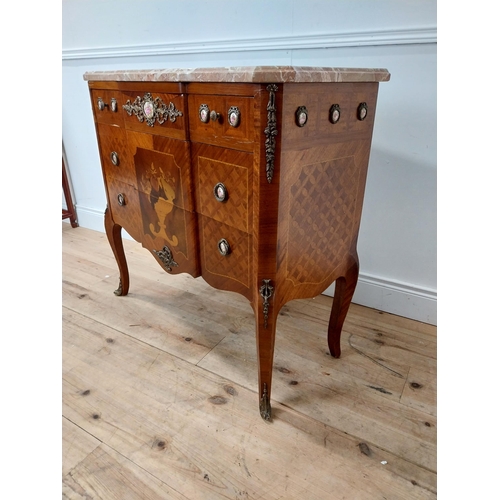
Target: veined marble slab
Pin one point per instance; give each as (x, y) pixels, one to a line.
(245, 74)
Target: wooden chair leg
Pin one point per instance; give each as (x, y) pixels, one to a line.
(69, 212)
(344, 290)
(114, 234)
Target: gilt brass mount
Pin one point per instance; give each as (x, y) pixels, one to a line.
(265, 404)
(271, 131)
(166, 257)
(152, 110)
(266, 292)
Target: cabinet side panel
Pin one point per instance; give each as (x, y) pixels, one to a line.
(323, 175)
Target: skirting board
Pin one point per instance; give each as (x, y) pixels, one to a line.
(390, 296)
(394, 297)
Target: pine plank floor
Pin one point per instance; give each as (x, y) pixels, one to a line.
(159, 392)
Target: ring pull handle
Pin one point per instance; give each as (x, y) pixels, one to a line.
(114, 105)
(115, 160)
(224, 247)
(220, 192)
(121, 199)
(214, 116)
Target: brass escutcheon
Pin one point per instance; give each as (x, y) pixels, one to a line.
(204, 113)
(101, 105)
(334, 113)
(362, 111)
(224, 247)
(233, 116)
(301, 116)
(114, 158)
(220, 192)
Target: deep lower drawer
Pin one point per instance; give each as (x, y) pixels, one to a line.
(166, 230)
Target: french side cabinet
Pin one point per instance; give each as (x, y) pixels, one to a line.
(252, 178)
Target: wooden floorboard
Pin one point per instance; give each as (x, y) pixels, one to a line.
(160, 392)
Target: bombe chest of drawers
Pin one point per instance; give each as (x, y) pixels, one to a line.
(251, 177)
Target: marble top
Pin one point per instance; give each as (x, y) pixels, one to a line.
(244, 74)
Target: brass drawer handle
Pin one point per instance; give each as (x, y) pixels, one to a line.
(214, 116)
(220, 192)
(224, 247)
(206, 115)
(101, 105)
(233, 116)
(115, 160)
(121, 199)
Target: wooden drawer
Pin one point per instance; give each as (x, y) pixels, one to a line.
(116, 160)
(319, 101)
(107, 106)
(228, 173)
(155, 113)
(157, 224)
(236, 134)
(123, 201)
(231, 271)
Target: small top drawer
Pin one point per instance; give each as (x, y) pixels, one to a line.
(222, 120)
(155, 113)
(107, 106)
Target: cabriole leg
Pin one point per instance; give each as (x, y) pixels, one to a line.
(114, 234)
(265, 319)
(344, 290)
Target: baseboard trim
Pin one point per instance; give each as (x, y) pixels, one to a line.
(403, 299)
(321, 41)
(395, 297)
(90, 218)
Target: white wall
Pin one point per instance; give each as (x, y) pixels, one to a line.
(397, 242)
